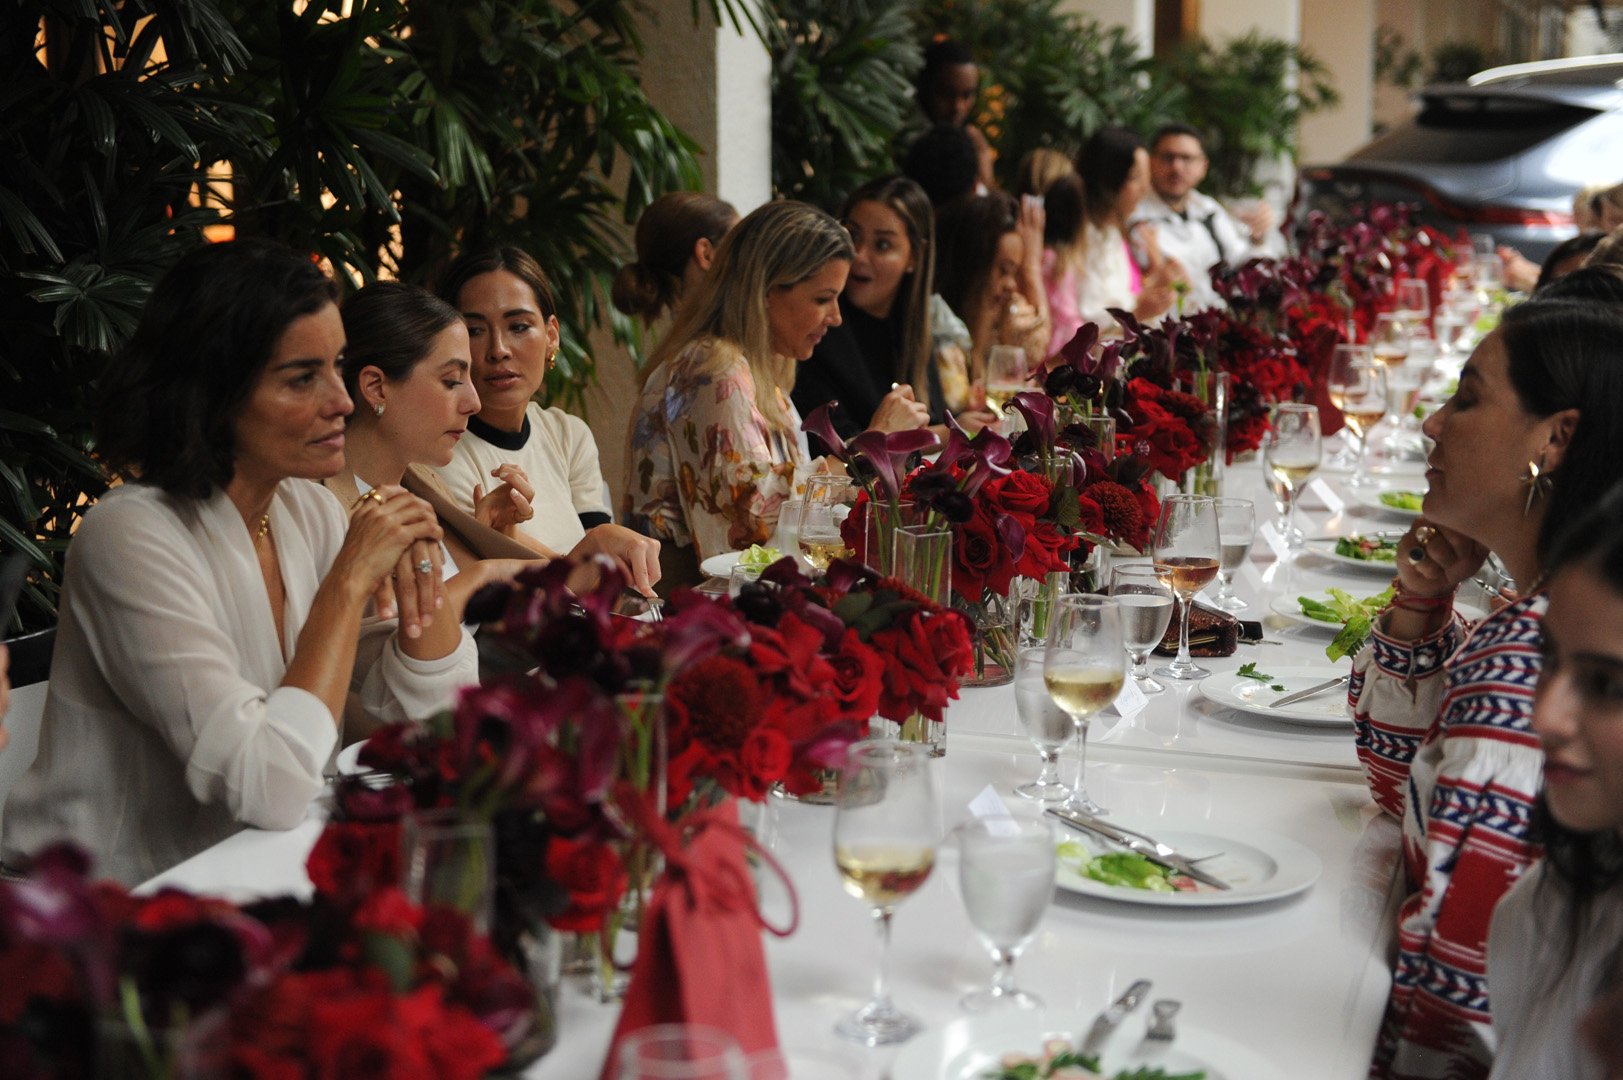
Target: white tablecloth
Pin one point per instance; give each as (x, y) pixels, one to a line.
(1302, 981)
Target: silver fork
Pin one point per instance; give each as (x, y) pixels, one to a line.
(1161, 849)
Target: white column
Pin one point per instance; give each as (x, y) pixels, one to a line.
(1342, 34)
(1137, 17)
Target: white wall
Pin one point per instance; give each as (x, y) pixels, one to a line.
(1342, 34)
(1224, 19)
(1136, 16)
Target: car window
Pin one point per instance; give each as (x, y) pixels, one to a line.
(1472, 130)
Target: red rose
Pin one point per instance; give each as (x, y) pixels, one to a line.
(591, 872)
(1045, 545)
(389, 911)
(857, 671)
(351, 860)
(1021, 492)
(1173, 448)
(980, 559)
(456, 1044)
(1090, 519)
(923, 662)
(766, 757)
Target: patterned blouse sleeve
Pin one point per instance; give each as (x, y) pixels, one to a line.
(733, 471)
(1395, 694)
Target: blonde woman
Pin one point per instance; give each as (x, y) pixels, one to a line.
(715, 444)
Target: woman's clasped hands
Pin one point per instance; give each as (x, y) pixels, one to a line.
(393, 552)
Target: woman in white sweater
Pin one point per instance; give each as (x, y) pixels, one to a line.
(220, 605)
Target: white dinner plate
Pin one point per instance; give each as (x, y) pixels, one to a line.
(1325, 548)
(1289, 608)
(721, 565)
(1370, 498)
(1261, 867)
(972, 1047)
(1234, 691)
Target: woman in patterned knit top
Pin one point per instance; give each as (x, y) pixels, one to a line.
(1442, 710)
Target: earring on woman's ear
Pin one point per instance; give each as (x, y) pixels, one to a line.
(378, 408)
(1537, 482)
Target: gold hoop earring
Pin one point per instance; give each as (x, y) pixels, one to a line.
(1537, 482)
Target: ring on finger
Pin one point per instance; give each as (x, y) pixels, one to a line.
(1422, 537)
(425, 566)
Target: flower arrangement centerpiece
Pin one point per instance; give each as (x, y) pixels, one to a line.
(95, 981)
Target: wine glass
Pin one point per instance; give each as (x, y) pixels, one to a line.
(885, 835)
(1006, 873)
(1389, 339)
(1414, 300)
(1186, 548)
(827, 503)
(1146, 609)
(680, 1052)
(1292, 451)
(1006, 373)
(1047, 725)
(1083, 670)
(1236, 529)
(1358, 388)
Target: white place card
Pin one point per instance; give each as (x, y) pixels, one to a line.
(989, 804)
(1131, 700)
(1321, 491)
(1276, 543)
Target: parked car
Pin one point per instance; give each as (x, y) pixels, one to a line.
(1502, 153)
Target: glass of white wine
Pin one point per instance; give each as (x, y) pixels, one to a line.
(1358, 388)
(828, 502)
(1186, 547)
(1389, 339)
(1006, 874)
(886, 829)
(1006, 373)
(1047, 725)
(1083, 668)
(1292, 451)
(1236, 530)
(1146, 609)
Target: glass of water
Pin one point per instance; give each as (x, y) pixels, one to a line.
(1146, 609)
(1236, 530)
(1047, 725)
(1006, 873)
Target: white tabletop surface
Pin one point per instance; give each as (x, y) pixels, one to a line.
(1301, 981)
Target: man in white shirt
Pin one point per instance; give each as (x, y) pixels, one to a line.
(1194, 228)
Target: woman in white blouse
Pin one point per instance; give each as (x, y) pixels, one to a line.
(215, 610)
(1115, 171)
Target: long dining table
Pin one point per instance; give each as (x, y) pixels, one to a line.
(1299, 982)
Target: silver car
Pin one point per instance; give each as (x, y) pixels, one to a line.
(1501, 154)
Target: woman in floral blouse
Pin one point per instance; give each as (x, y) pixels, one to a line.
(715, 443)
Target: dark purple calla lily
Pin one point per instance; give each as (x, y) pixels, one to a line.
(887, 454)
(820, 422)
(1037, 410)
(992, 455)
(1013, 535)
(698, 630)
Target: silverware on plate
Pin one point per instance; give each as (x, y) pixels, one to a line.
(1111, 1018)
(1162, 1014)
(1312, 691)
(1147, 846)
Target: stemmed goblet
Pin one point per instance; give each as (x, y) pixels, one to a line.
(1292, 450)
(1006, 873)
(1083, 670)
(1236, 529)
(1046, 724)
(828, 502)
(1146, 609)
(885, 835)
(1186, 548)
(1358, 388)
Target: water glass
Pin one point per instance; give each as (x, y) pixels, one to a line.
(1048, 726)
(1236, 530)
(681, 1052)
(1146, 609)
(741, 576)
(1006, 874)
(1083, 668)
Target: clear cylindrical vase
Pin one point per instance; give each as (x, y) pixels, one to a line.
(923, 560)
(448, 859)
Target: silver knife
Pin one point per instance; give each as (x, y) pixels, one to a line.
(1147, 846)
(1312, 691)
(1112, 1017)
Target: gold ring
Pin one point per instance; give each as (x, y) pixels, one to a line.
(1422, 537)
(371, 493)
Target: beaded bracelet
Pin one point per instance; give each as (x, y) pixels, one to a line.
(1409, 602)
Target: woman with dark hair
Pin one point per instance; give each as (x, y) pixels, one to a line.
(1556, 946)
(512, 320)
(989, 272)
(676, 242)
(1567, 256)
(715, 446)
(1442, 710)
(214, 616)
(1115, 170)
(877, 362)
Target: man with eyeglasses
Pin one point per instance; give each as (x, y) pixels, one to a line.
(1194, 228)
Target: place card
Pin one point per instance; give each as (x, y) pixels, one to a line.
(989, 804)
(1332, 502)
(1276, 543)
(1131, 700)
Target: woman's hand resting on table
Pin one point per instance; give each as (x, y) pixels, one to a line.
(636, 555)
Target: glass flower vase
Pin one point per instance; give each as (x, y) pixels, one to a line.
(997, 630)
(1211, 387)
